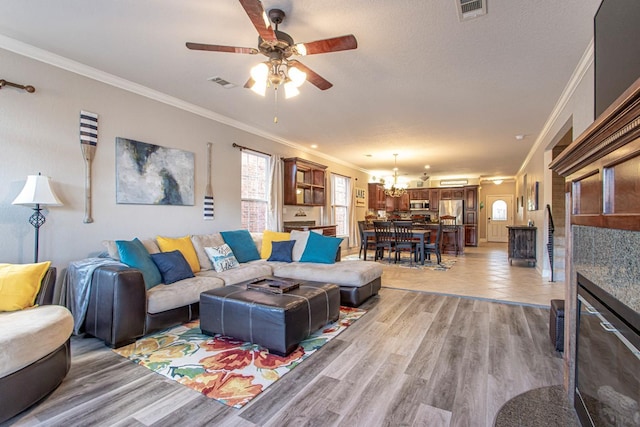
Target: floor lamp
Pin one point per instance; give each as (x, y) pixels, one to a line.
(37, 192)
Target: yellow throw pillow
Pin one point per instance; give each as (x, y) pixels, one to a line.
(182, 244)
(271, 236)
(19, 284)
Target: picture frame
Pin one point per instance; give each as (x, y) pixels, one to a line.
(148, 174)
(360, 197)
(532, 196)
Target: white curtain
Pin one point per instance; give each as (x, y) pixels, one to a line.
(276, 195)
(354, 234)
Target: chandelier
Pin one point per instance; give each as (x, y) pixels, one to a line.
(395, 189)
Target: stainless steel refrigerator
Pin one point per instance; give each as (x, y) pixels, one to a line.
(453, 208)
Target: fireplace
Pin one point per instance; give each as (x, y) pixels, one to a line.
(607, 391)
(602, 293)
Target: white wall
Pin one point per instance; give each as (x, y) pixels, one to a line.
(577, 112)
(39, 133)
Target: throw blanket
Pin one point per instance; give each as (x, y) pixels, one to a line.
(76, 287)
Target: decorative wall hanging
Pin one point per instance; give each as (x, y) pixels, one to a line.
(149, 174)
(88, 143)
(532, 196)
(27, 88)
(208, 191)
(361, 196)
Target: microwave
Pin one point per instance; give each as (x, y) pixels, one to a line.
(419, 205)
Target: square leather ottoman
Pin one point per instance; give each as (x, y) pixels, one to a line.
(276, 321)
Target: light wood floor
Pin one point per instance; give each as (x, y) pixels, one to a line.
(415, 358)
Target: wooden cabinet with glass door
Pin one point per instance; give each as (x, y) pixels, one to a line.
(304, 182)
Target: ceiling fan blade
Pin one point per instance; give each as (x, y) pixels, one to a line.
(312, 77)
(218, 48)
(334, 44)
(259, 19)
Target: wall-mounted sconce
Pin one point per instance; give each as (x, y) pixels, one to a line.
(28, 88)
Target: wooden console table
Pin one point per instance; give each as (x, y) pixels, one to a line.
(522, 243)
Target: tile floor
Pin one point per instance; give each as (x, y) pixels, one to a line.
(482, 272)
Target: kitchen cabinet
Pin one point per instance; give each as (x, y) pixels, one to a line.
(398, 204)
(377, 198)
(471, 198)
(522, 243)
(304, 182)
(451, 194)
(470, 235)
(418, 194)
(471, 215)
(434, 199)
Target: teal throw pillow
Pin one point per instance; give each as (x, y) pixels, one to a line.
(281, 251)
(134, 254)
(242, 245)
(321, 249)
(173, 266)
(221, 257)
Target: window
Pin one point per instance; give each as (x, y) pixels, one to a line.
(255, 191)
(340, 195)
(499, 210)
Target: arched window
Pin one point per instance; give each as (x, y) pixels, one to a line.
(499, 210)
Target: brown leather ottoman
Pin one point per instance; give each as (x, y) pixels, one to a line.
(276, 321)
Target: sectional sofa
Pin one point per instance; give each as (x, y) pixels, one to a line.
(121, 308)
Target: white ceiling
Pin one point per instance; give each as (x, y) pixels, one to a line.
(422, 84)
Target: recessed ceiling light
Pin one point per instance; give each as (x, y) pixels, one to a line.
(314, 146)
(520, 137)
(427, 167)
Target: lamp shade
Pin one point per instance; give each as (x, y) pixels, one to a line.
(37, 191)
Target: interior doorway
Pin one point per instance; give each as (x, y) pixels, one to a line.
(499, 216)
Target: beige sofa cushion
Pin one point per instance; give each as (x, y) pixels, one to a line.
(201, 241)
(28, 335)
(345, 273)
(246, 271)
(183, 292)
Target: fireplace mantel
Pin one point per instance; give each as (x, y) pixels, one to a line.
(602, 186)
(601, 167)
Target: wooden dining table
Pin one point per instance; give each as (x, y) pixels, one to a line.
(420, 234)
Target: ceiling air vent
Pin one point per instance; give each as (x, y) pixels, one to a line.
(469, 9)
(222, 82)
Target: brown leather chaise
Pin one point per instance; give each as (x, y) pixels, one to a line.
(27, 386)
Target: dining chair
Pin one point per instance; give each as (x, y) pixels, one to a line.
(365, 243)
(384, 238)
(434, 247)
(404, 240)
(450, 226)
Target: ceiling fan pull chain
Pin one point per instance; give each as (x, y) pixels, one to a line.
(275, 117)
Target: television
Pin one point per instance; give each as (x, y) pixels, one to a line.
(616, 50)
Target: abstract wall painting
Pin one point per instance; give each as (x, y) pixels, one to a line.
(149, 174)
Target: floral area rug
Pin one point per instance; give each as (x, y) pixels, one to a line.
(445, 264)
(223, 368)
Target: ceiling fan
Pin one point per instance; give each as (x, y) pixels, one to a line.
(279, 47)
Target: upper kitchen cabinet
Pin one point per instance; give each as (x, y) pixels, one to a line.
(377, 198)
(304, 182)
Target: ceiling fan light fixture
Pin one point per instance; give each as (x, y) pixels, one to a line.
(297, 76)
(260, 72)
(290, 90)
(301, 49)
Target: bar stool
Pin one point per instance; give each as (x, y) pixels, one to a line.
(450, 226)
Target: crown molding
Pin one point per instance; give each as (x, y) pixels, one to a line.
(79, 68)
(578, 74)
